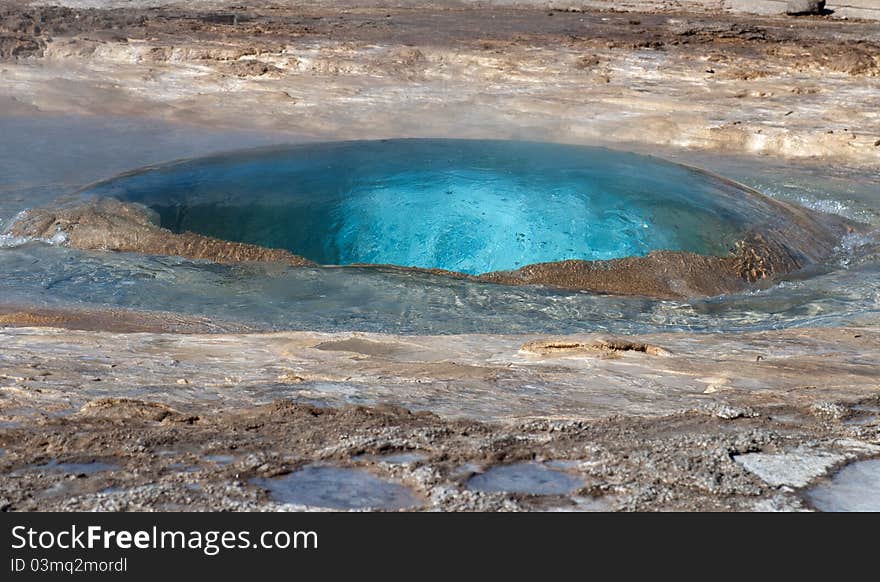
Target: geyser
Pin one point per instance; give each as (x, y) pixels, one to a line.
(458, 205)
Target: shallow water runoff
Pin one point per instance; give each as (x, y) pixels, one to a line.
(359, 210)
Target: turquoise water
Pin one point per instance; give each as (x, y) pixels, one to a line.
(467, 206)
(41, 159)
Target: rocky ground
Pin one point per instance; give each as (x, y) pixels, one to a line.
(671, 421)
(186, 412)
(203, 459)
(797, 87)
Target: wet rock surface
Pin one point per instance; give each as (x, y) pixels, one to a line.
(695, 78)
(110, 225)
(477, 376)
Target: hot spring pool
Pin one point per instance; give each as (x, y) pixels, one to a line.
(359, 211)
(467, 206)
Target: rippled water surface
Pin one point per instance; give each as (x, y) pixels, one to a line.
(41, 160)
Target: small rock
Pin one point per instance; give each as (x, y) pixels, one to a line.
(796, 468)
(249, 68)
(799, 7)
(290, 379)
(727, 412)
(830, 410)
